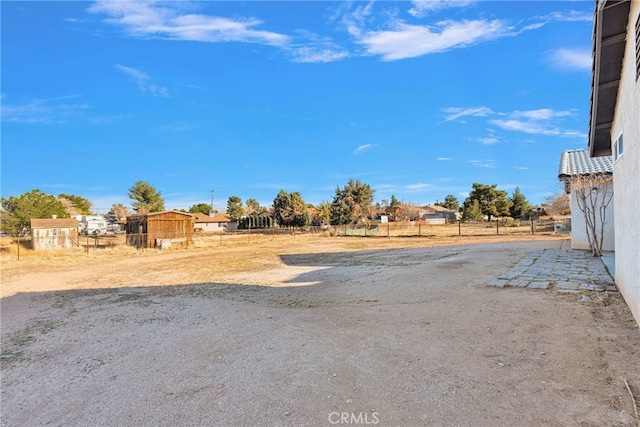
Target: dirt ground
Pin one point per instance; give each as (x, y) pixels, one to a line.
(309, 331)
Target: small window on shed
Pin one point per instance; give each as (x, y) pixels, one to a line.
(55, 231)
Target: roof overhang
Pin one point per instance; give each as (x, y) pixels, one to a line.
(609, 36)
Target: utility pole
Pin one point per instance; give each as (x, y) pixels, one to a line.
(212, 208)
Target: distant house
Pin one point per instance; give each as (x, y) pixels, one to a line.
(578, 164)
(434, 212)
(216, 223)
(54, 233)
(160, 229)
(614, 130)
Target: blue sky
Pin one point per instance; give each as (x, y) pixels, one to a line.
(417, 99)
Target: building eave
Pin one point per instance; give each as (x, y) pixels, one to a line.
(609, 38)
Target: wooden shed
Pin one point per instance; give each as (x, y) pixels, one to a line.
(54, 233)
(160, 229)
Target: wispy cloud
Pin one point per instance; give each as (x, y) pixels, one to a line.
(483, 163)
(571, 59)
(52, 110)
(409, 41)
(488, 140)
(363, 148)
(565, 16)
(444, 159)
(313, 54)
(522, 168)
(542, 121)
(143, 81)
(421, 8)
(420, 186)
(455, 113)
(177, 22)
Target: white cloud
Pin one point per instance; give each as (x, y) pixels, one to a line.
(143, 81)
(488, 140)
(174, 21)
(567, 16)
(363, 148)
(571, 59)
(421, 8)
(311, 54)
(444, 159)
(522, 168)
(456, 113)
(52, 110)
(420, 186)
(483, 163)
(409, 41)
(542, 121)
(531, 127)
(541, 114)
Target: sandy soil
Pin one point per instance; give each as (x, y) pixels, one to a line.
(309, 332)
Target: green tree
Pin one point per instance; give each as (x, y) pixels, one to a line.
(324, 211)
(234, 207)
(145, 198)
(18, 211)
(472, 211)
(253, 206)
(519, 204)
(82, 205)
(119, 210)
(450, 202)
(394, 202)
(492, 202)
(290, 210)
(351, 203)
(202, 208)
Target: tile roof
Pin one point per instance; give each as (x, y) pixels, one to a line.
(578, 162)
(54, 223)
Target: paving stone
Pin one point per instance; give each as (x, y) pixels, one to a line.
(518, 283)
(538, 285)
(590, 287)
(567, 285)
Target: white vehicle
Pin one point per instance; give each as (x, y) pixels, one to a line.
(92, 225)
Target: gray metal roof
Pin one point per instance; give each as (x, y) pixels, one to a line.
(578, 162)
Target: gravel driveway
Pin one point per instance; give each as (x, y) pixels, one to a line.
(396, 337)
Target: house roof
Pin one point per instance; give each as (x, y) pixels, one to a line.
(609, 33)
(218, 217)
(54, 223)
(436, 208)
(578, 162)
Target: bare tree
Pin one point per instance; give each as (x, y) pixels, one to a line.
(593, 195)
(558, 204)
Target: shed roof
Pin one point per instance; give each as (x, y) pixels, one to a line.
(54, 223)
(578, 162)
(609, 36)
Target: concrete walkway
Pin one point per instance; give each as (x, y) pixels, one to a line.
(568, 271)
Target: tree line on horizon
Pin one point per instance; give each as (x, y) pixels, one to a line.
(351, 204)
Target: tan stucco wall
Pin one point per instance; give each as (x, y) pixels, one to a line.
(627, 176)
